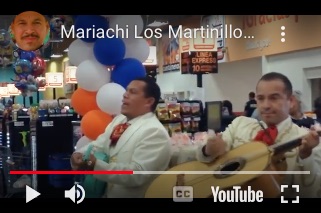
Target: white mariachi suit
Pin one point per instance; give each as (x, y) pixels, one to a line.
(243, 130)
(144, 146)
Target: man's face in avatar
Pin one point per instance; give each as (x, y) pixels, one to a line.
(30, 30)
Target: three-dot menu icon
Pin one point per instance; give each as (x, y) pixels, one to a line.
(282, 34)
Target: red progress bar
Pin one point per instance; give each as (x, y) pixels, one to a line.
(71, 172)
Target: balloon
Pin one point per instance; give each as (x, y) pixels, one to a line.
(127, 70)
(109, 98)
(21, 85)
(39, 66)
(83, 101)
(80, 51)
(32, 88)
(91, 75)
(25, 93)
(109, 51)
(22, 67)
(94, 123)
(5, 38)
(86, 22)
(129, 22)
(41, 82)
(83, 141)
(136, 48)
(28, 55)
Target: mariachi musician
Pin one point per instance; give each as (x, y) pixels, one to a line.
(274, 97)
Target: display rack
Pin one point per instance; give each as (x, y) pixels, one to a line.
(181, 116)
(33, 141)
(54, 146)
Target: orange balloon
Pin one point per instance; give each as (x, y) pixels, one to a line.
(94, 123)
(84, 101)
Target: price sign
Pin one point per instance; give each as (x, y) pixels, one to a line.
(70, 75)
(204, 42)
(12, 90)
(217, 23)
(54, 79)
(170, 98)
(4, 92)
(199, 41)
(47, 124)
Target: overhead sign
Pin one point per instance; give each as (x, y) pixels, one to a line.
(198, 54)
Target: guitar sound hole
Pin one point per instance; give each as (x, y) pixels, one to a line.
(233, 166)
(228, 168)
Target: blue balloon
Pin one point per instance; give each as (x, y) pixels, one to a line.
(109, 51)
(5, 38)
(92, 23)
(21, 85)
(127, 70)
(27, 55)
(22, 68)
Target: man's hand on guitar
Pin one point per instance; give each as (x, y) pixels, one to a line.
(308, 143)
(215, 146)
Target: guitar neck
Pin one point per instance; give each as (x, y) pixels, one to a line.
(287, 146)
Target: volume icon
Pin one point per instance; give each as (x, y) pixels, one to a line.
(76, 194)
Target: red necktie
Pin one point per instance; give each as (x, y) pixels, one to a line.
(268, 135)
(117, 132)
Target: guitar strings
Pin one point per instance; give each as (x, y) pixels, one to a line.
(248, 157)
(207, 176)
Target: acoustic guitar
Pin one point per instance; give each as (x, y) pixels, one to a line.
(248, 159)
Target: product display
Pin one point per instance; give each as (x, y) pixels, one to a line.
(184, 145)
(180, 116)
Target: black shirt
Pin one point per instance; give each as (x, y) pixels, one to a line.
(306, 122)
(250, 106)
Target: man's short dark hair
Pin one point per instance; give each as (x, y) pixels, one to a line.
(151, 90)
(278, 76)
(252, 95)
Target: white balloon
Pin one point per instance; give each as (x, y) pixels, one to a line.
(80, 51)
(91, 75)
(83, 141)
(130, 22)
(136, 48)
(109, 98)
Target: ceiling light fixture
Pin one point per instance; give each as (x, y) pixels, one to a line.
(157, 24)
(56, 40)
(56, 56)
(66, 50)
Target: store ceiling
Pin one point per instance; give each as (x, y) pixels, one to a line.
(5, 21)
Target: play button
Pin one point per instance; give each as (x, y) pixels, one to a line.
(31, 194)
